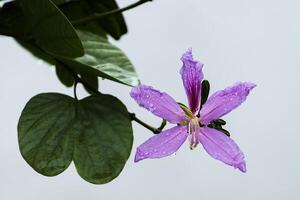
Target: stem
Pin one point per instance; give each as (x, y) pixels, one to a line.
(95, 16)
(162, 126)
(147, 126)
(75, 87)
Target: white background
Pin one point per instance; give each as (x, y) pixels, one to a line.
(238, 40)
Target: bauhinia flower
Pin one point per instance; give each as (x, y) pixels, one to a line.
(192, 122)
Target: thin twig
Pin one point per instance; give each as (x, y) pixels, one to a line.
(95, 16)
(162, 126)
(154, 130)
(75, 90)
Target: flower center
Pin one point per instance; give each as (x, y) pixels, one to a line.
(194, 131)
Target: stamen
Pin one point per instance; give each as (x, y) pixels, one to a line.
(193, 128)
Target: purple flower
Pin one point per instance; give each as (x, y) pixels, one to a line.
(192, 123)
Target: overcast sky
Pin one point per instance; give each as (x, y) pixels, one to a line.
(237, 40)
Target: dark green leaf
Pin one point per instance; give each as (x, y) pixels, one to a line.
(64, 75)
(204, 91)
(80, 9)
(37, 52)
(51, 29)
(115, 24)
(12, 20)
(46, 133)
(103, 59)
(92, 81)
(95, 132)
(105, 142)
(60, 2)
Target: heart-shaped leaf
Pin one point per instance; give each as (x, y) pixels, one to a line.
(95, 132)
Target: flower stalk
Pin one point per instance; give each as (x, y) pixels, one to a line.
(147, 126)
(75, 90)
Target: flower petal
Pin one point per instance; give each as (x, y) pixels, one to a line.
(222, 147)
(192, 75)
(163, 144)
(159, 103)
(224, 101)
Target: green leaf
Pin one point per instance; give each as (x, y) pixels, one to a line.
(64, 75)
(60, 2)
(46, 133)
(37, 52)
(103, 59)
(105, 142)
(115, 24)
(79, 9)
(92, 81)
(51, 29)
(205, 87)
(13, 21)
(95, 132)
